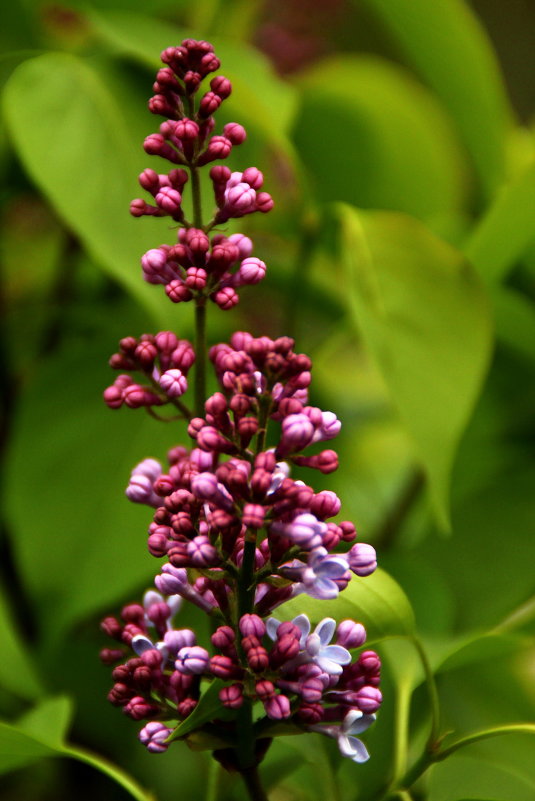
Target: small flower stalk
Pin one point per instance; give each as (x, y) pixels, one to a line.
(236, 534)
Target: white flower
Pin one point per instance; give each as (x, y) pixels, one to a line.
(355, 722)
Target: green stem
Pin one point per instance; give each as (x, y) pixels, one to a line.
(401, 729)
(212, 785)
(496, 731)
(196, 197)
(200, 355)
(254, 787)
(433, 695)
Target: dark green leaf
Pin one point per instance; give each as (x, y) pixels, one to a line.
(17, 672)
(424, 315)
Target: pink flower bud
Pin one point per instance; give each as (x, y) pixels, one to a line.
(232, 696)
(169, 200)
(177, 291)
(277, 707)
(252, 626)
(350, 634)
(297, 433)
(174, 383)
(221, 86)
(253, 177)
(235, 132)
(369, 699)
(226, 298)
(186, 129)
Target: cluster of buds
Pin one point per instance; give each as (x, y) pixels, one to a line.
(238, 534)
(198, 266)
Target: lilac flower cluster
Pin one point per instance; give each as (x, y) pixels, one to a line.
(238, 534)
(198, 266)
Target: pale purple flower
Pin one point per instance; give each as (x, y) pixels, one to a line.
(192, 660)
(329, 428)
(315, 647)
(318, 578)
(362, 559)
(142, 478)
(306, 531)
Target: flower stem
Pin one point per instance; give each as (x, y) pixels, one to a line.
(433, 695)
(200, 355)
(251, 778)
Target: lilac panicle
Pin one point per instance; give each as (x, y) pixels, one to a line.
(239, 535)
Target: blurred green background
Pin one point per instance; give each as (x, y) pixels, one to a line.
(396, 137)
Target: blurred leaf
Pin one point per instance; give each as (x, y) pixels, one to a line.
(462, 776)
(86, 546)
(50, 720)
(485, 562)
(423, 313)
(515, 320)
(258, 96)
(401, 152)
(377, 601)
(17, 672)
(506, 230)
(83, 158)
(450, 49)
(40, 734)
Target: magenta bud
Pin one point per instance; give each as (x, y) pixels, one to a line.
(325, 504)
(264, 202)
(277, 707)
(236, 133)
(202, 553)
(232, 696)
(169, 199)
(223, 638)
(251, 271)
(221, 86)
(252, 626)
(113, 397)
(350, 634)
(223, 667)
(253, 177)
(177, 291)
(186, 129)
(369, 699)
(226, 298)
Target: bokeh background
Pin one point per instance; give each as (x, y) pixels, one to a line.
(396, 137)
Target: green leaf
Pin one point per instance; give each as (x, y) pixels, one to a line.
(402, 152)
(507, 229)
(446, 44)
(49, 721)
(463, 776)
(84, 158)
(209, 706)
(425, 318)
(258, 96)
(17, 672)
(40, 733)
(377, 601)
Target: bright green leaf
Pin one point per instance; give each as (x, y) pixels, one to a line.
(209, 706)
(449, 48)
(377, 601)
(401, 152)
(83, 157)
(17, 673)
(506, 230)
(49, 721)
(40, 733)
(463, 776)
(424, 315)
